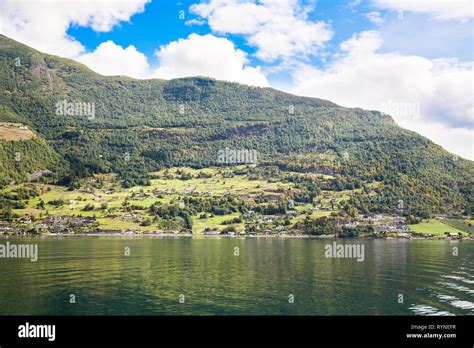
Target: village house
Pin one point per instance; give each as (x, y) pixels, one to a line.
(128, 217)
(41, 227)
(88, 220)
(25, 220)
(392, 227)
(351, 224)
(58, 227)
(48, 221)
(453, 235)
(403, 235)
(371, 217)
(75, 222)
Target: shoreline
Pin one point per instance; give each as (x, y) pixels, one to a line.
(190, 235)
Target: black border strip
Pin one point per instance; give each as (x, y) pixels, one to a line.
(195, 330)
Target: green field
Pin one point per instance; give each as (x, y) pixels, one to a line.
(435, 227)
(215, 223)
(463, 225)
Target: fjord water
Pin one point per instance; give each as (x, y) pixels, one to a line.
(258, 281)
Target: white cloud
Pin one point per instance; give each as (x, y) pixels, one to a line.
(362, 45)
(111, 59)
(418, 34)
(194, 22)
(43, 24)
(374, 17)
(206, 56)
(354, 3)
(456, 140)
(278, 28)
(438, 9)
(439, 91)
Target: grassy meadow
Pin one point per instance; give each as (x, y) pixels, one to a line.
(108, 200)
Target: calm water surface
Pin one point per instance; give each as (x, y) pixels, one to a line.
(257, 282)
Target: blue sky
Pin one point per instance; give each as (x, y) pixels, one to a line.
(161, 24)
(374, 54)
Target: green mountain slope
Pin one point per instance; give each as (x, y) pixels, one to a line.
(143, 125)
(27, 160)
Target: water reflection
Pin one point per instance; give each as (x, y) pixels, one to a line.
(256, 281)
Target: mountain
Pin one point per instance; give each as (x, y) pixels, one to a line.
(88, 123)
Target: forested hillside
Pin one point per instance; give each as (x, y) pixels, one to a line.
(144, 125)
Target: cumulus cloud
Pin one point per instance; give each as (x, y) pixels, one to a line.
(44, 24)
(374, 17)
(207, 55)
(459, 141)
(438, 9)
(111, 59)
(278, 28)
(432, 97)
